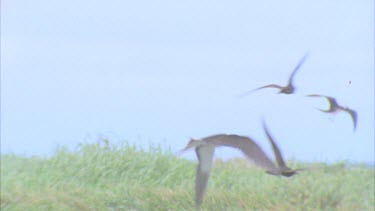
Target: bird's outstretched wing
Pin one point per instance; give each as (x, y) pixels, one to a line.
(332, 102)
(205, 156)
(266, 86)
(247, 146)
(354, 116)
(301, 61)
(279, 157)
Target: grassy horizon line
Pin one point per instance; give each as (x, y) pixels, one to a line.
(105, 176)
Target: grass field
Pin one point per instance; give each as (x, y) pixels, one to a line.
(102, 176)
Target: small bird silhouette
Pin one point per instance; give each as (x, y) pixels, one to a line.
(205, 148)
(289, 88)
(334, 107)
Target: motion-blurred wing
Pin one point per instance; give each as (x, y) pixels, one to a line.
(354, 116)
(279, 158)
(205, 155)
(251, 150)
(331, 101)
(301, 61)
(266, 86)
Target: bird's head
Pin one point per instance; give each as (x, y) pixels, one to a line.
(193, 143)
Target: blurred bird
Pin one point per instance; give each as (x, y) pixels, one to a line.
(289, 88)
(334, 107)
(205, 148)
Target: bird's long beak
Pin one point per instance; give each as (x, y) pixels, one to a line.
(179, 153)
(301, 169)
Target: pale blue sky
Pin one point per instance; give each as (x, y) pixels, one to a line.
(164, 71)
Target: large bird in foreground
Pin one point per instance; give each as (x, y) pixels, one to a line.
(205, 148)
(289, 88)
(334, 107)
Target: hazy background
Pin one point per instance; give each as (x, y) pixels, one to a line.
(163, 71)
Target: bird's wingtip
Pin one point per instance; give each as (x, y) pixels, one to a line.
(264, 124)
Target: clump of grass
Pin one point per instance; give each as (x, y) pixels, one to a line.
(104, 176)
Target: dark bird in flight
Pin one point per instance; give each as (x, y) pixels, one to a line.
(289, 88)
(205, 148)
(334, 107)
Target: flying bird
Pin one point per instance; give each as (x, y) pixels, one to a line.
(205, 149)
(289, 88)
(334, 107)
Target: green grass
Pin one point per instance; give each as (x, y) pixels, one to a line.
(103, 176)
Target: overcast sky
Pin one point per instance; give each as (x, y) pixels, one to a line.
(163, 71)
